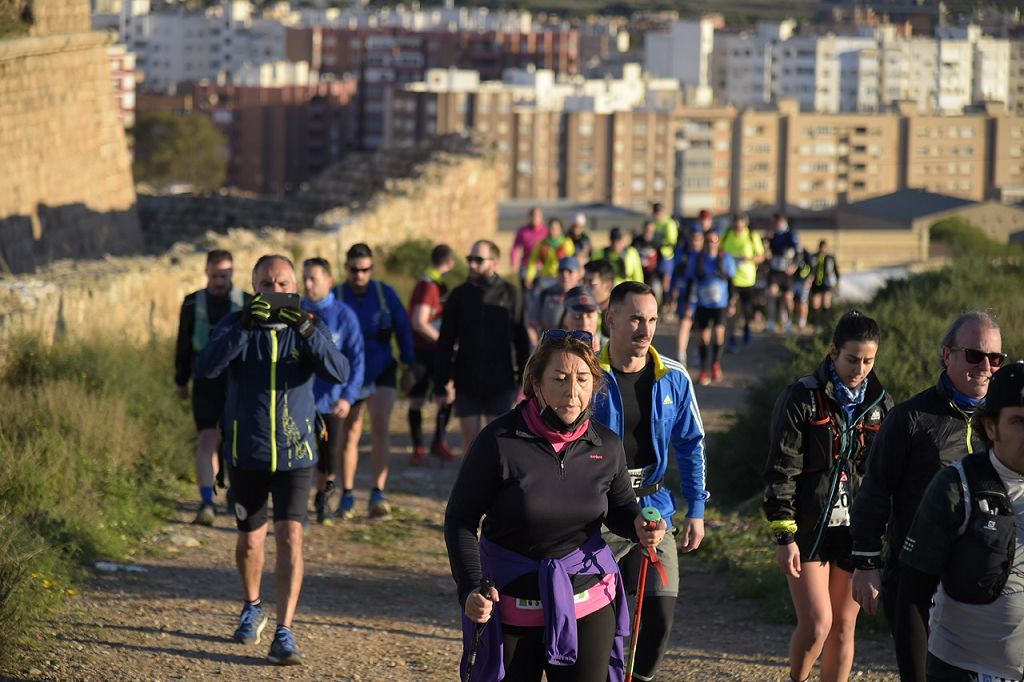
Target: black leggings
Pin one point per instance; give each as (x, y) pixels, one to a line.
(524, 651)
(329, 451)
(655, 627)
(907, 598)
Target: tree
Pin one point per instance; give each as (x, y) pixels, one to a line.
(172, 148)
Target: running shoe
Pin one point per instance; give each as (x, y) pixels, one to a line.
(283, 650)
(250, 624)
(746, 335)
(347, 506)
(323, 503)
(770, 327)
(207, 513)
(703, 379)
(442, 450)
(731, 346)
(379, 507)
(716, 371)
(789, 328)
(419, 453)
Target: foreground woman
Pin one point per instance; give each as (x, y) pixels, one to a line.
(822, 428)
(545, 477)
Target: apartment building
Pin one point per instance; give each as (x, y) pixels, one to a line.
(122, 71)
(1006, 149)
(949, 155)
(607, 140)
(704, 159)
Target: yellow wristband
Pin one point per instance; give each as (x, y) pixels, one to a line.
(783, 526)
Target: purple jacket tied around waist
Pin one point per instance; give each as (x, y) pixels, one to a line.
(556, 596)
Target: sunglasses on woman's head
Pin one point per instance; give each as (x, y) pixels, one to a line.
(975, 356)
(577, 334)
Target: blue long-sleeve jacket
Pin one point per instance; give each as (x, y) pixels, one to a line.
(675, 421)
(269, 413)
(709, 279)
(367, 308)
(348, 337)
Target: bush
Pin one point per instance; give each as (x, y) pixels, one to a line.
(962, 236)
(406, 261)
(90, 453)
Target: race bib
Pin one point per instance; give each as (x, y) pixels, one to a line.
(638, 476)
(841, 507)
(713, 293)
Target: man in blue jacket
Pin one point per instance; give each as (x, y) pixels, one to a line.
(271, 357)
(333, 401)
(651, 406)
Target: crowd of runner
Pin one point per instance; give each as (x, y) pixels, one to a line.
(569, 418)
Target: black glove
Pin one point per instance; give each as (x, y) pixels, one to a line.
(256, 312)
(299, 320)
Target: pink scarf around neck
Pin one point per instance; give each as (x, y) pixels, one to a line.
(558, 440)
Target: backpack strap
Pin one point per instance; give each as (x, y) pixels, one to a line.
(385, 310)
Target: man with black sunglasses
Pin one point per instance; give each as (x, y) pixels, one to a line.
(920, 436)
(482, 346)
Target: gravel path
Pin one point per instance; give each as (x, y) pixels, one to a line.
(378, 602)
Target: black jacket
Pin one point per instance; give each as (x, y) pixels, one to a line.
(184, 353)
(809, 452)
(483, 343)
(922, 435)
(535, 502)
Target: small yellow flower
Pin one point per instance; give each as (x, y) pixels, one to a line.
(71, 592)
(46, 583)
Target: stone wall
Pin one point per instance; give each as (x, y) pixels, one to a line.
(66, 186)
(453, 199)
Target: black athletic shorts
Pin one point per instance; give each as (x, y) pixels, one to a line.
(745, 295)
(208, 396)
(388, 378)
(820, 288)
(425, 360)
(780, 279)
(492, 405)
(836, 548)
(288, 489)
(708, 317)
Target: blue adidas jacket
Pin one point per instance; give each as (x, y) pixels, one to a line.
(675, 421)
(269, 413)
(367, 308)
(344, 327)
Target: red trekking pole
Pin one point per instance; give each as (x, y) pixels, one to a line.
(651, 518)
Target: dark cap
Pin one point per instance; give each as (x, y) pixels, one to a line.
(569, 263)
(579, 300)
(1006, 388)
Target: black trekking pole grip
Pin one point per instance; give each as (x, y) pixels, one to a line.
(485, 589)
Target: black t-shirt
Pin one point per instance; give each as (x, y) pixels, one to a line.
(636, 389)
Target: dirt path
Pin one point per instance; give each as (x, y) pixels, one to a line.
(378, 602)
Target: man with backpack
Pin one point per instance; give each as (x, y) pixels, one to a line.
(709, 275)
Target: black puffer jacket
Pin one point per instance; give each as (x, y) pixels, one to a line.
(922, 435)
(811, 447)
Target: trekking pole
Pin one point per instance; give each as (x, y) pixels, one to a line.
(485, 589)
(651, 518)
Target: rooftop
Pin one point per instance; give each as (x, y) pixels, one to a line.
(907, 205)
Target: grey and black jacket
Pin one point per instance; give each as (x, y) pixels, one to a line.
(812, 446)
(922, 435)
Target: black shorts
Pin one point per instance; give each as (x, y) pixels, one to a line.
(492, 405)
(708, 317)
(745, 295)
(820, 289)
(836, 548)
(781, 280)
(388, 378)
(425, 360)
(250, 490)
(208, 396)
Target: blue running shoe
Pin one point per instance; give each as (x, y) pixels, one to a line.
(379, 507)
(346, 508)
(731, 346)
(746, 335)
(250, 624)
(283, 650)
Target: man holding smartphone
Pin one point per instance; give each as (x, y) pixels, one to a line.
(271, 352)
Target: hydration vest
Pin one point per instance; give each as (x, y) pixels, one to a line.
(825, 438)
(982, 555)
(201, 326)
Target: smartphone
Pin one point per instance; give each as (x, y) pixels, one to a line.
(278, 301)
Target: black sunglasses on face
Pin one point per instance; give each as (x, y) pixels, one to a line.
(577, 334)
(356, 271)
(476, 260)
(975, 356)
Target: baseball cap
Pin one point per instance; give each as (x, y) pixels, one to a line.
(580, 218)
(569, 263)
(579, 300)
(1006, 388)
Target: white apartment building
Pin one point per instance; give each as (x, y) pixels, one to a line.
(684, 53)
(449, 18)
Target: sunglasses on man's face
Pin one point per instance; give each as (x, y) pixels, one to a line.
(975, 356)
(577, 334)
(358, 271)
(476, 260)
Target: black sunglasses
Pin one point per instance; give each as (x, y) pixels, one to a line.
(476, 260)
(355, 271)
(577, 334)
(975, 356)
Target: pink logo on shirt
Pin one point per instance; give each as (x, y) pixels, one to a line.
(597, 457)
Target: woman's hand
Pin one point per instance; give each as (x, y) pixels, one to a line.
(478, 608)
(649, 537)
(788, 557)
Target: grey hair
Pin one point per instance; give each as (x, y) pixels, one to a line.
(266, 259)
(980, 317)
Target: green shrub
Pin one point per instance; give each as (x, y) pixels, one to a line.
(90, 452)
(963, 236)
